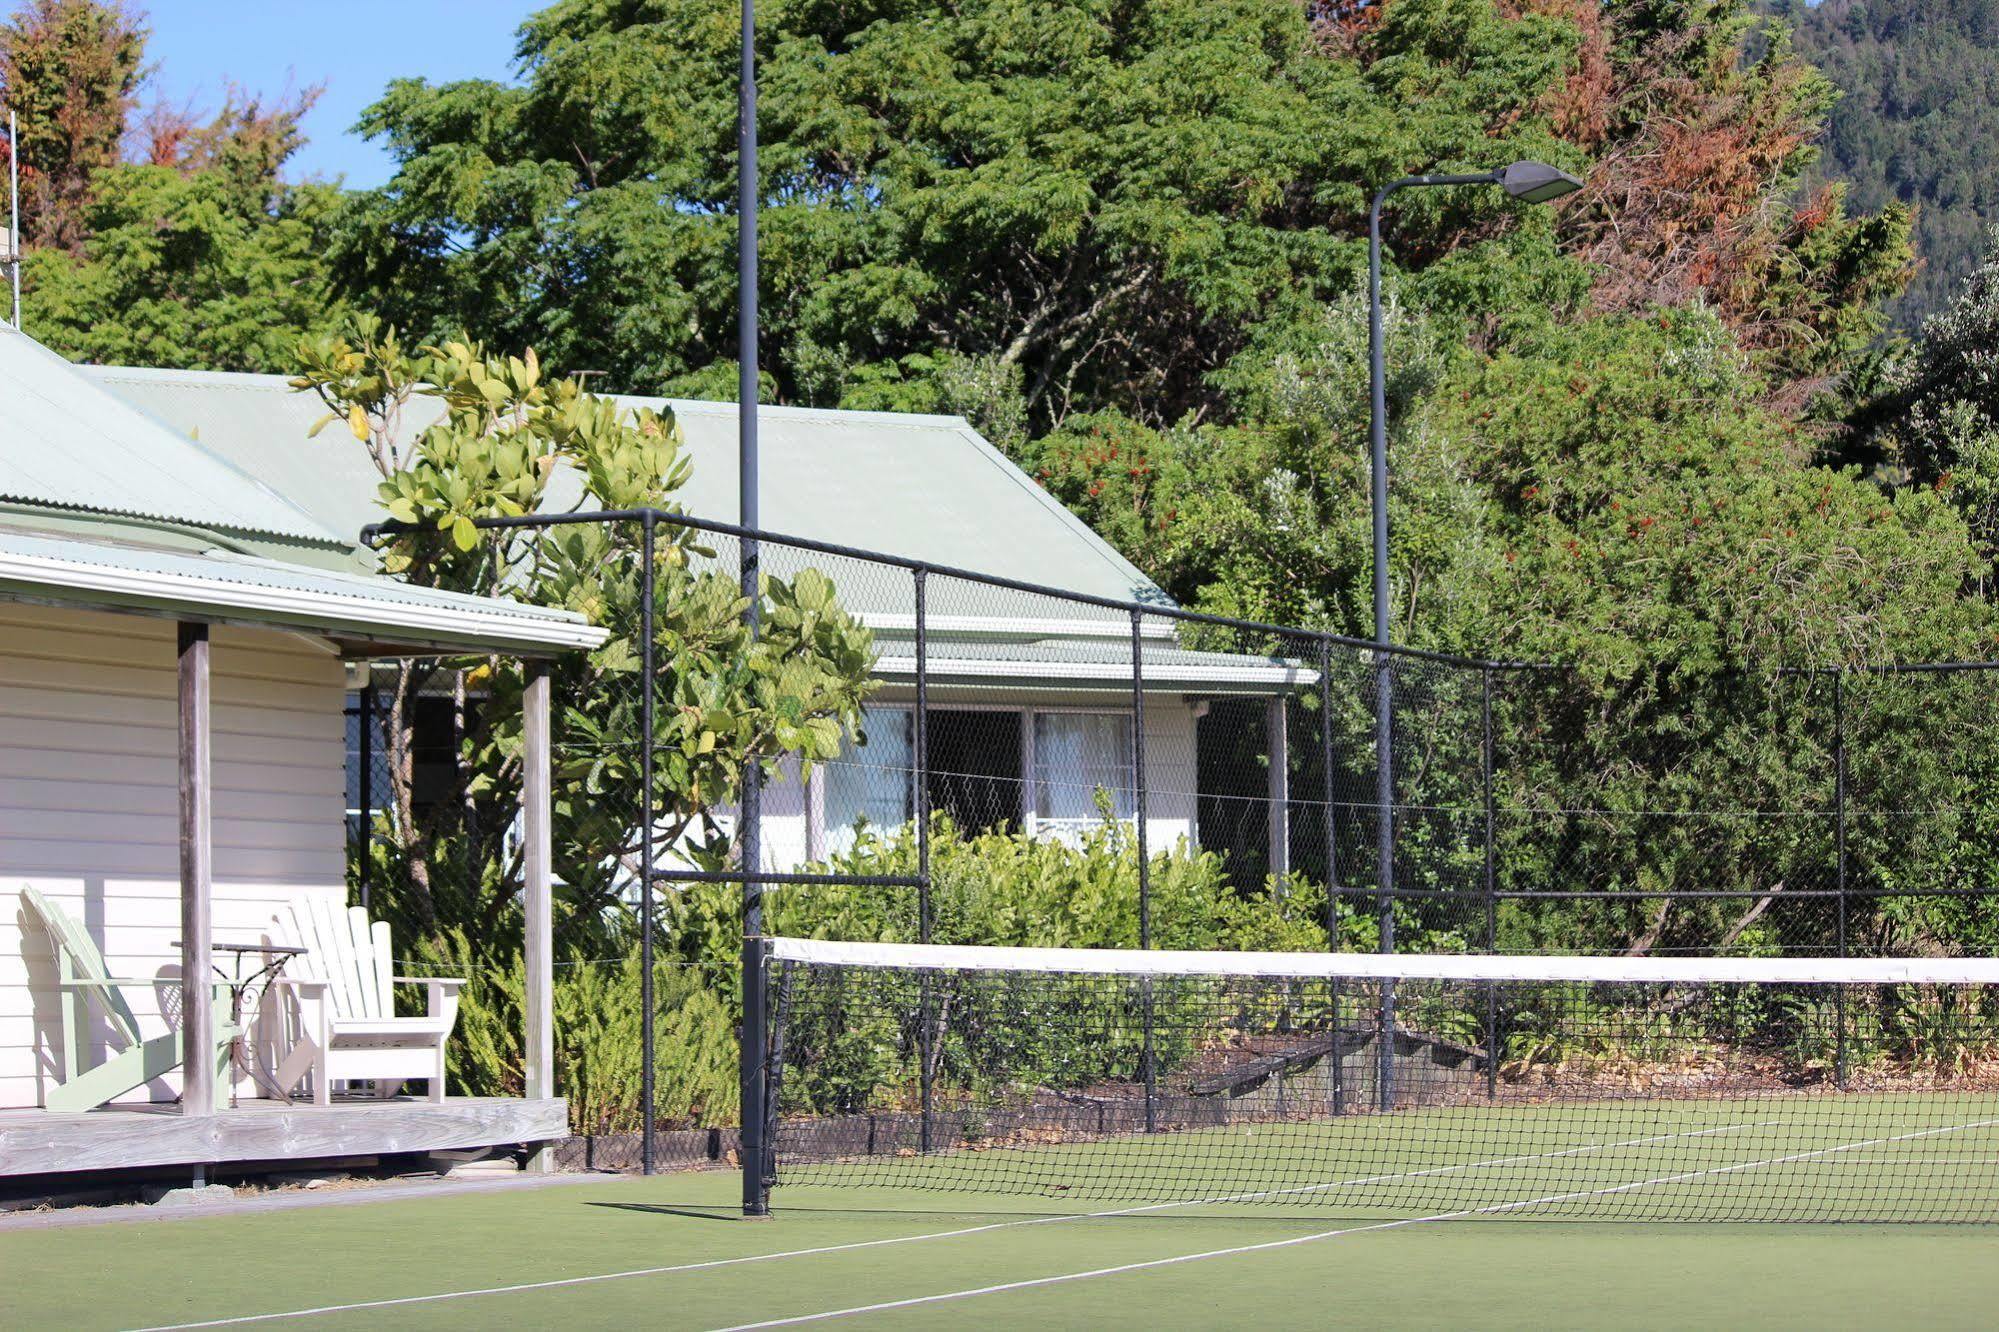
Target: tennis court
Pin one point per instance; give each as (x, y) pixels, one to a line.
(673, 1250)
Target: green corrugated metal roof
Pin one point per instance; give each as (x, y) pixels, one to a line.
(224, 587)
(924, 487)
(65, 443)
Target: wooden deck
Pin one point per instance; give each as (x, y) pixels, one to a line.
(122, 1137)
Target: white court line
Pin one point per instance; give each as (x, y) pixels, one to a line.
(1267, 1245)
(560, 1282)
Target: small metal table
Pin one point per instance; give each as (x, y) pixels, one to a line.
(274, 958)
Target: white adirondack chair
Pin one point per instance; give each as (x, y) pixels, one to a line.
(345, 988)
(83, 977)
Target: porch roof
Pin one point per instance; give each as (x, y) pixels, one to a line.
(367, 615)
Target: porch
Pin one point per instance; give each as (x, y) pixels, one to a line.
(153, 1135)
(177, 794)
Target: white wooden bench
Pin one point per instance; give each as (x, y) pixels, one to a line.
(345, 987)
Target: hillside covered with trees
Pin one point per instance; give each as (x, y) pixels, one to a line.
(1917, 118)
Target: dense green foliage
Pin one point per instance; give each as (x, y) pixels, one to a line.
(1918, 115)
(1079, 207)
(187, 269)
(1610, 493)
(1125, 238)
(1118, 199)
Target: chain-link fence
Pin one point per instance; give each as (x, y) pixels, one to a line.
(938, 755)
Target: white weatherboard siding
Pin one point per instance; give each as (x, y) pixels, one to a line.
(89, 803)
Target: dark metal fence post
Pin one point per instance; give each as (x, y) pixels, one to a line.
(647, 560)
(927, 1035)
(757, 1166)
(1491, 884)
(1332, 860)
(365, 706)
(1839, 838)
(1139, 808)
(1384, 842)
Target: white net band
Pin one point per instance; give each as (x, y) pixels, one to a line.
(1394, 966)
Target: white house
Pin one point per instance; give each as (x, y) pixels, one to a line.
(1030, 695)
(174, 634)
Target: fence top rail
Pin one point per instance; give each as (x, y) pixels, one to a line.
(374, 531)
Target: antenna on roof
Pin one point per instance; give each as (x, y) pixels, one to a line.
(10, 252)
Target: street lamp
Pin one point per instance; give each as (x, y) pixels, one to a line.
(1530, 182)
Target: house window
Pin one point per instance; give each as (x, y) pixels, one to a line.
(871, 779)
(977, 764)
(977, 773)
(378, 786)
(1076, 754)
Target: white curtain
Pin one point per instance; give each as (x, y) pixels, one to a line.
(1076, 754)
(871, 779)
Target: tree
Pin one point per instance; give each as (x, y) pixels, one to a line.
(1935, 425)
(723, 704)
(1702, 145)
(164, 239)
(69, 70)
(1609, 493)
(1114, 200)
(183, 268)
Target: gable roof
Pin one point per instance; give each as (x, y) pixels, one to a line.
(922, 487)
(66, 444)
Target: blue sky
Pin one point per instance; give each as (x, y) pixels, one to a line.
(354, 47)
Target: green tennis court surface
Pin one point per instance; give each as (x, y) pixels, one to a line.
(671, 1251)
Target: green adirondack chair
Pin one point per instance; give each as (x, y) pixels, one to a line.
(83, 977)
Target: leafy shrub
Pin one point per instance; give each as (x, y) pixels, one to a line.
(597, 1027)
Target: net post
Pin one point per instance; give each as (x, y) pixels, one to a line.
(1332, 858)
(1139, 812)
(1384, 840)
(648, 1139)
(926, 1038)
(1491, 883)
(1839, 839)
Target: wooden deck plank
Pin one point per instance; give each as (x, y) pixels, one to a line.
(35, 1142)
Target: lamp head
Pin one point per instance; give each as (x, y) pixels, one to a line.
(1536, 182)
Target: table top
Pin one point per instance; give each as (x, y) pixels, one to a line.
(268, 950)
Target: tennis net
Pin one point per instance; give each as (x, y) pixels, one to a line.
(1443, 1087)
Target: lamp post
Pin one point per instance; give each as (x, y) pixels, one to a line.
(1530, 182)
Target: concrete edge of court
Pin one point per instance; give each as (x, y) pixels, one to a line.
(55, 1218)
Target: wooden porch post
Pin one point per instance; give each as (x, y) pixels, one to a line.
(197, 1010)
(1277, 745)
(538, 909)
(815, 812)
